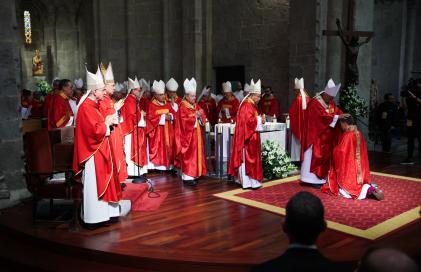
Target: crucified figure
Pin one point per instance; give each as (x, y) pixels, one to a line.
(352, 46)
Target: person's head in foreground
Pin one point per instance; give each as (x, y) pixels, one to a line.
(386, 260)
(304, 219)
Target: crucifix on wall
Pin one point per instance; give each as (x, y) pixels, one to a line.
(351, 40)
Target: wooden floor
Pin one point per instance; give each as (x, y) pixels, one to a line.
(192, 231)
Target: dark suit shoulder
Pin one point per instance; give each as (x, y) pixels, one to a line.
(298, 259)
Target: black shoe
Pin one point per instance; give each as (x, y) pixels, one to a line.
(141, 179)
(94, 226)
(173, 172)
(316, 186)
(190, 182)
(114, 219)
(408, 161)
(247, 188)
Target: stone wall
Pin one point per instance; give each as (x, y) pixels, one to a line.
(253, 33)
(305, 51)
(12, 187)
(387, 46)
(55, 32)
(417, 45)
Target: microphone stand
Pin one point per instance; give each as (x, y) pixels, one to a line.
(138, 178)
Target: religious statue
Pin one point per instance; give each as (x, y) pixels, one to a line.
(352, 47)
(37, 65)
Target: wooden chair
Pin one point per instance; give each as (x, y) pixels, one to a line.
(40, 170)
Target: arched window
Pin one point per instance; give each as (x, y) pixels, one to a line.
(27, 24)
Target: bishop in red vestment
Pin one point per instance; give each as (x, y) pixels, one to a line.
(245, 161)
(228, 106)
(109, 108)
(92, 159)
(320, 135)
(133, 126)
(296, 115)
(61, 113)
(172, 97)
(349, 173)
(269, 104)
(159, 130)
(208, 104)
(190, 152)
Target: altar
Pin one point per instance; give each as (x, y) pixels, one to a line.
(223, 135)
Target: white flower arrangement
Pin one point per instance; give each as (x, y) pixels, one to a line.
(350, 102)
(43, 87)
(275, 162)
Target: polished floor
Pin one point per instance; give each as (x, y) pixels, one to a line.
(192, 231)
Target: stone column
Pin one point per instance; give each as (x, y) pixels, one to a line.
(12, 187)
(208, 69)
(192, 29)
(198, 42)
(410, 38)
(363, 20)
(165, 38)
(334, 59)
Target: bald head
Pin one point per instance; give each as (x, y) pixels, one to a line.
(386, 260)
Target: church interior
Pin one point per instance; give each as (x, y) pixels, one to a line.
(369, 48)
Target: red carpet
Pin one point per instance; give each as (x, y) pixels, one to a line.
(141, 199)
(401, 196)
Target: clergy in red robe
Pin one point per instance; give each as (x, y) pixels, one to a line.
(228, 106)
(49, 100)
(320, 135)
(175, 101)
(245, 161)
(61, 112)
(190, 152)
(269, 104)
(296, 116)
(349, 173)
(159, 130)
(109, 108)
(171, 95)
(208, 104)
(92, 160)
(133, 126)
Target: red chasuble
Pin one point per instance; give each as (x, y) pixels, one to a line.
(130, 126)
(269, 105)
(232, 105)
(320, 135)
(296, 116)
(246, 137)
(36, 110)
(177, 100)
(61, 111)
(106, 107)
(47, 104)
(209, 107)
(190, 151)
(90, 140)
(350, 169)
(161, 137)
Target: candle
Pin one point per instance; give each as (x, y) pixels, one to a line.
(274, 119)
(287, 121)
(232, 128)
(207, 126)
